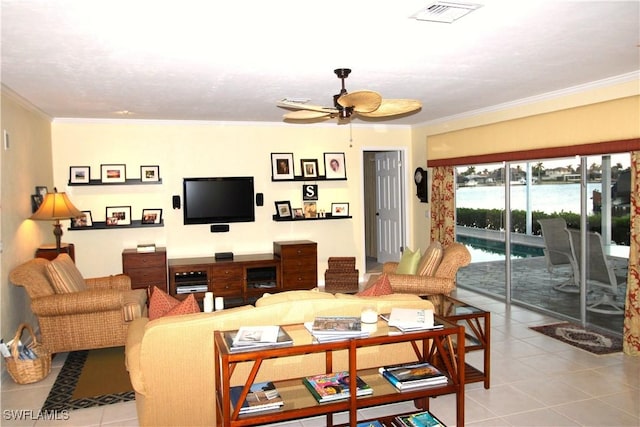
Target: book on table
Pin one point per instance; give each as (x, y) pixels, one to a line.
(374, 423)
(411, 319)
(283, 339)
(334, 386)
(413, 375)
(262, 396)
(336, 328)
(419, 419)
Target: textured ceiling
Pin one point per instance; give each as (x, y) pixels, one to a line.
(233, 60)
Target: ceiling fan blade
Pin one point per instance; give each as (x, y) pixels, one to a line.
(285, 103)
(362, 101)
(306, 115)
(392, 107)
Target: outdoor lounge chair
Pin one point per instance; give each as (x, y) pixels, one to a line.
(600, 273)
(557, 252)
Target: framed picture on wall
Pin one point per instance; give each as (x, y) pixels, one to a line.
(110, 174)
(79, 174)
(281, 166)
(82, 221)
(150, 173)
(151, 216)
(334, 166)
(339, 209)
(309, 168)
(118, 215)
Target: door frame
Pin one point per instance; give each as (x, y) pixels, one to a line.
(404, 192)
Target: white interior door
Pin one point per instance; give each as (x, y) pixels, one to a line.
(389, 205)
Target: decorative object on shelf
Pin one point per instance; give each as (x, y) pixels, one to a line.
(281, 166)
(298, 213)
(151, 216)
(207, 302)
(79, 174)
(219, 303)
(118, 215)
(310, 210)
(41, 190)
(309, 168)
(420, 178)
(149, 173)
(116, 173)
(283, 209)
(339, 209)
(36, 202)
(334, 166)
(82, 221)
(309, 192)
(56, 206)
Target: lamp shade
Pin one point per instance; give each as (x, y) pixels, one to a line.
(56, 206)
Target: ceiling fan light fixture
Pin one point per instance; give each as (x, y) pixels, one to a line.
(445, 11)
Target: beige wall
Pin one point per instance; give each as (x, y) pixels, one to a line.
(26, 164)
(184, 149)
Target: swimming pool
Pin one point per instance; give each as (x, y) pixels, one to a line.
(493, 250)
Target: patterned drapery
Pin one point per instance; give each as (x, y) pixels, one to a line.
(631, 331)
(443, 209)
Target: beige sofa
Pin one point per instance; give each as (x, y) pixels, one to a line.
(171, 359)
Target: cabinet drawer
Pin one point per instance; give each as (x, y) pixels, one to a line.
(143, 260)
(227, 288)
(295, 251)
(147, 275)
(226, 273)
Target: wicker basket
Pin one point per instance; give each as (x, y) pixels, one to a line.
(28, 371)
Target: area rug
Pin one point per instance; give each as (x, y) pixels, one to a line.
(595, 342)
(90, 378)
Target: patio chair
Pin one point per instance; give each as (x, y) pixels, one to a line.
(557, 252)
(600, 273)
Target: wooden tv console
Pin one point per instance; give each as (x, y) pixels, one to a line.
(245, 278)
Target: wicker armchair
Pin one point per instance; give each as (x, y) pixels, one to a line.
(93, 318)
(443, 282)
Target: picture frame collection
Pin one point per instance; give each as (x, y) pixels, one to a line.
(283, 167)
(112, 173)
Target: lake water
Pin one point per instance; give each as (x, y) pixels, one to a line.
(548, 198)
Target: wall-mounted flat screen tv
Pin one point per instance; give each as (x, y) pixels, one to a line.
(218, 200)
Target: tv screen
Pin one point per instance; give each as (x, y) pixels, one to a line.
(218, 200)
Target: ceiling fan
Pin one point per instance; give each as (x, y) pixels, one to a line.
(365, 103)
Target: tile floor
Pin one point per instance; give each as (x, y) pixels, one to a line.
(535, 381)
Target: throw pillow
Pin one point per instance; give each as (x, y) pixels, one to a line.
(431, 259)
(380, 287)
(188, 306)
(409, 262)
(160, 303)
(64, 275)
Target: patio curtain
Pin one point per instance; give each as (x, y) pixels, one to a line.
(631, 332)
(443, 209)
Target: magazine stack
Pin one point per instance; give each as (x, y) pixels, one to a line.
(334, 386)
(252, 338)
(411, 319)
(419, 419)
(336, 328)
(262, 396)
(407, 376)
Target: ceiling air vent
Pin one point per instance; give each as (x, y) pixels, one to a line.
(445, 11)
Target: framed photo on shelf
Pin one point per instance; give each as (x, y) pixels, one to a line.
(298, 213)
(150, 173)
(79, 174)
(82, 221)
(309, 168)
(283, 209)
(118, 215)
(310, 210)
(42, 190)
(334, 166)
(36, 201)
(339, 209)
(113, 173)
(151, 216)
(281, 166)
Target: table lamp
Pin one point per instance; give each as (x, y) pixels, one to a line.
(56, 206)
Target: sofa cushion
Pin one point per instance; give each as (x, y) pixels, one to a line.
(64, 275)
(409, 262)
(160, 303)
(268, 299)
(430, 259)
(188, 306)
(382, 286)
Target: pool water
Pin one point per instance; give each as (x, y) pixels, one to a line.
(491, 250)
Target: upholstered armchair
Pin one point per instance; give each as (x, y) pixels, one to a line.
(436, 272)
(78, 314)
